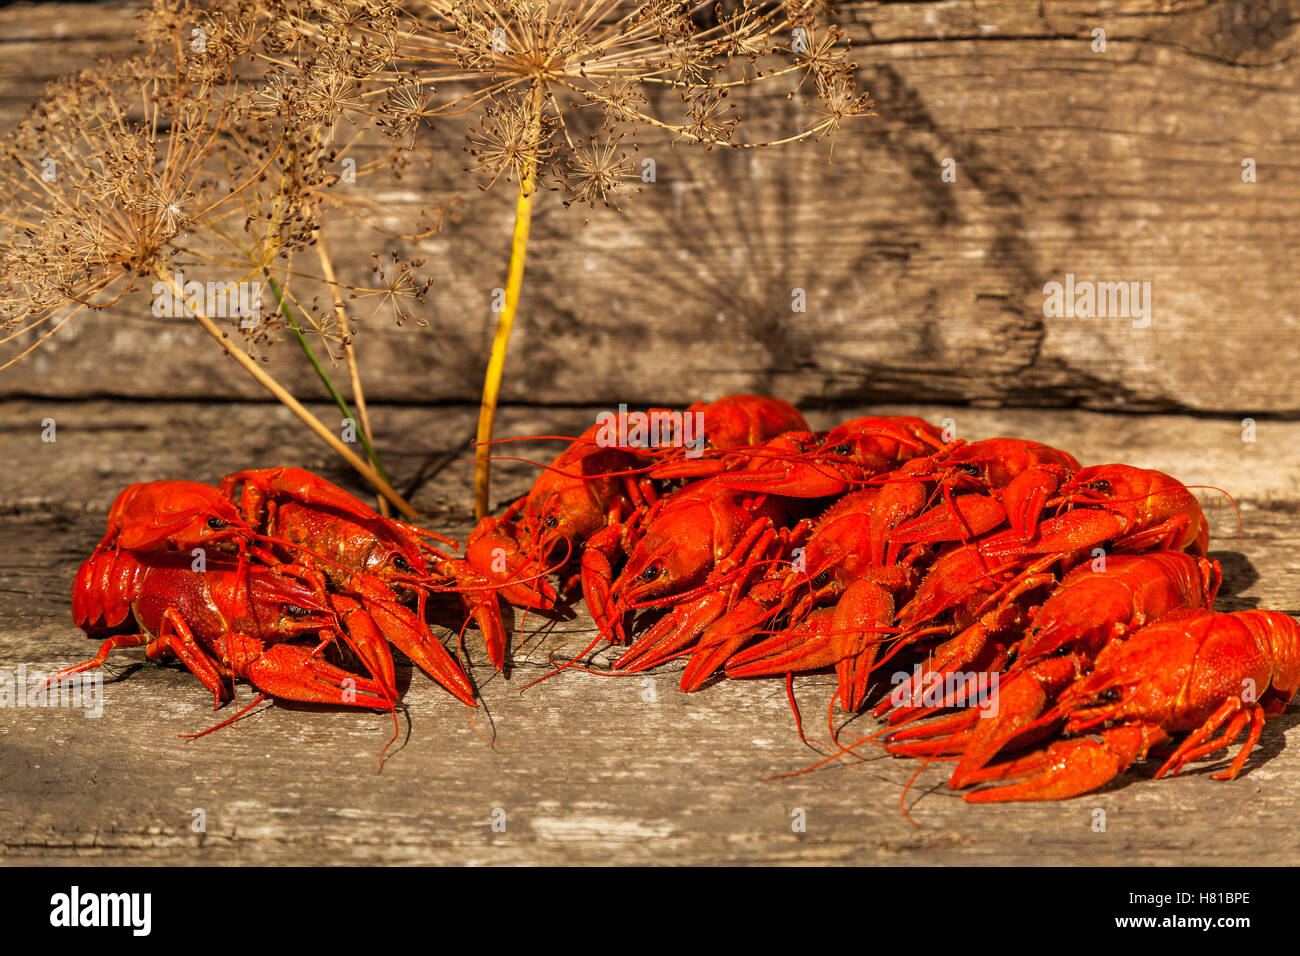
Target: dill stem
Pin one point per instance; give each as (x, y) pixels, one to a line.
(505, 322)
(349, 353)
(342, 404)
(362, 467)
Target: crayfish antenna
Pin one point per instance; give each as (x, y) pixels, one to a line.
(902, 797)
(396, 733)
(565, 666)
(228, 721)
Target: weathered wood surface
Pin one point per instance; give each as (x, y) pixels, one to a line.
(586, 768)
(1115, 166)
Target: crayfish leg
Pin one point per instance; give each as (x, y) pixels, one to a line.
(114, 643)
(485, 608)
(724, 638)
(360, 632)
(1021, 699)
(1238, 715)
(175, 636)
(1026, 496)
(597, 577)
(710, 656)
(258, 486)
(963, 518)
(946, 735)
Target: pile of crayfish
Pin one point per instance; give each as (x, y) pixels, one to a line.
(262, 576)
(1083, 595)
(768, 549)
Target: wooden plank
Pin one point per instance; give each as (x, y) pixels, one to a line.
(587, 769)
(1115, 166)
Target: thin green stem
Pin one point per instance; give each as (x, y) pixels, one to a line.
(339, 400)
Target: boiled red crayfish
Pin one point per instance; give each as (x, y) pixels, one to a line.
(281, 535)
(767, 549)
(1005, 480)
(1091, 608)
(375, 559)
(1197, 671)
(1002, 555)
(593, 496)
(229, 621)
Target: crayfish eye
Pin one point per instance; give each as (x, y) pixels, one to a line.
(972, 470)
(843, 449)
(216, 524)
(649, 574)
(1101, 484)
(550, 521)
(402, 564)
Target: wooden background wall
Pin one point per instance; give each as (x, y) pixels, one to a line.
(1123, 166)
(1115, 166)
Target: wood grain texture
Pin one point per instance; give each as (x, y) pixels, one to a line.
(587, 769)
(1115, 166)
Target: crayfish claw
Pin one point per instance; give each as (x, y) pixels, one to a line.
(1070, 767)
(291, 672)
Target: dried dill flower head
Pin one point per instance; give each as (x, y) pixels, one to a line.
(101, 180)
(198, 168)
(202, 155)
(304, 123)
(561, 90)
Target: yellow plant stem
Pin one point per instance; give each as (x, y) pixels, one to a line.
(505, 322)
(363, 468)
